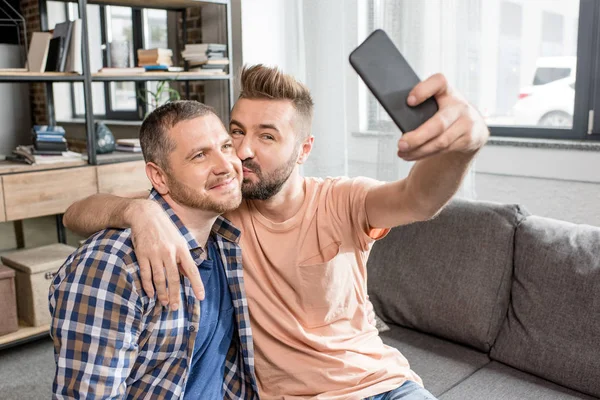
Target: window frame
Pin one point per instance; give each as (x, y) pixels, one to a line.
(587, 87)
(138, 37)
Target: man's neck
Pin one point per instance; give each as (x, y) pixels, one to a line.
(285, 204)
(198, 222)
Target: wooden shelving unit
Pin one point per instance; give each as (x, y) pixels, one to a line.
(159, 76)
(88, 77)
(40, 77)
(28, 191)
(162, 4)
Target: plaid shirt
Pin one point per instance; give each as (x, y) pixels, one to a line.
(113, 341)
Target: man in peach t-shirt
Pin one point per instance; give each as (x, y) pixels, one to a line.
(305, 241)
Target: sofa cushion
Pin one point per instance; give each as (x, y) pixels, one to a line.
(496, 381)
(553, 324)
(440, 363)
(449, 276)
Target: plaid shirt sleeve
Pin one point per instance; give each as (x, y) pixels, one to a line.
(96, 321)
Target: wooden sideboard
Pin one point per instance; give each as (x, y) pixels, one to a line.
(34, 191)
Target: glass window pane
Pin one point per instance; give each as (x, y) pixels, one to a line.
(155, 29)
(515, 60)
(120, 37)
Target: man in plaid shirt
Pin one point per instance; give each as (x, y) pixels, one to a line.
(111, 339)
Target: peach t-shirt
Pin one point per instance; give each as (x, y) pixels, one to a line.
(306, 283)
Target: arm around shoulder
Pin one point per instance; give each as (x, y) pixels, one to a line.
(101, 211)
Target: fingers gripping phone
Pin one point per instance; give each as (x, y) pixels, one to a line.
(390, 78)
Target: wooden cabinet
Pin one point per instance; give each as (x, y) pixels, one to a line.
(2, 212)
(33, 194)
(123, 178)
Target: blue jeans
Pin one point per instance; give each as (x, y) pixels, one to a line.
(409, 391)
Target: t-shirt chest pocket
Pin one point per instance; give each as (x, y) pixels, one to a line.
(325, 286)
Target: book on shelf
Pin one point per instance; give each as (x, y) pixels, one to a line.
(38, 51)
(50, 146)
(55, 49)
(49, 129)
(129, 145)
(156, 67)
(205, 47)
(157, 52)
(29, 155)
(216, 61)
(121, 71)
(202, 71)
(74, 60)
(63, 30)
(49, 138)
(129, 149)
(202, 53)
(152, 57)
(128, 142)
(59, 51)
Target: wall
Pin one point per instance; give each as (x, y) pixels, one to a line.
(554, 183)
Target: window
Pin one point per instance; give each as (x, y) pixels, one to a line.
(112, 34)
(518, 62)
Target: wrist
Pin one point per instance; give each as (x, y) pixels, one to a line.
(139, 209)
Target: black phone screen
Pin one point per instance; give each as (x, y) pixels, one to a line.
(390, 78)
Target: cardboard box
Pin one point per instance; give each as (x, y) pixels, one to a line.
(35, 268)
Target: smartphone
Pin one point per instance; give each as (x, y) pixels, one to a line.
(390, 78)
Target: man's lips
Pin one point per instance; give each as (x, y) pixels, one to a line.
(222, 184)
(247, 171)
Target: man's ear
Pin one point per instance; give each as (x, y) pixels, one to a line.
(305, 149)
(157, 178)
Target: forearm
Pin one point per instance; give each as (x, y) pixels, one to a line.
(433, 181)
(101, 211)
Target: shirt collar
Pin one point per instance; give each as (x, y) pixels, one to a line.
(222, 227)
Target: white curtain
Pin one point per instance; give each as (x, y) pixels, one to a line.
(353, 136)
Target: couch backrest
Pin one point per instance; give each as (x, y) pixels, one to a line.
(449, 276)
(553, 324)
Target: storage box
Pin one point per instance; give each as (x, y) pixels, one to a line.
(8, 301)
(35, 269)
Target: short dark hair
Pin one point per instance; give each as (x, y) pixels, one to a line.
(154, 139)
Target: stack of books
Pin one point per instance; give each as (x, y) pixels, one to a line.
(28, 155)
(155, 59)
(49, 140)
(56, 51)
(129, 145)
(208, 58)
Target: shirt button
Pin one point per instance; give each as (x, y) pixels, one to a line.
(192, 328)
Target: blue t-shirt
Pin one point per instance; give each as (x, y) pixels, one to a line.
(205, 379)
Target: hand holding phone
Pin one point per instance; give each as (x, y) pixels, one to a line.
(390, 78)
(440, 120)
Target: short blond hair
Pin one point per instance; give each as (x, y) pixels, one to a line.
(262, 82)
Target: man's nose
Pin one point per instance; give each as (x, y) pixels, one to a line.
(244, 149)
(222, 165)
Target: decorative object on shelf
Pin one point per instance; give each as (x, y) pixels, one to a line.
(120, 56)
(163, 94)
(12, 18)
(105, 141)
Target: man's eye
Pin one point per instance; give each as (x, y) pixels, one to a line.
(199, 155)
(237, 132)
(268, 137)
(228, 146)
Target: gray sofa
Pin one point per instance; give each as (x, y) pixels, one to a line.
(489, 302)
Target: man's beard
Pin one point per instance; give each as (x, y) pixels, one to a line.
(267, 185)
(189, 197)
